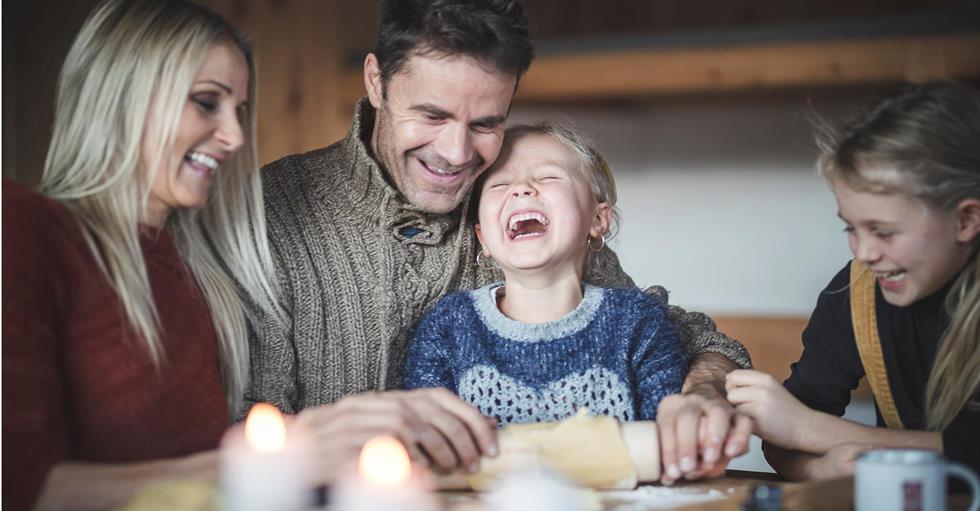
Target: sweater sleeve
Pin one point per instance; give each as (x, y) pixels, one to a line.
(427, 362)
(272, 341)
(272, 358)
(34, 429)
(699, 334)
(659, 361)
(605, 271)
(697, 331)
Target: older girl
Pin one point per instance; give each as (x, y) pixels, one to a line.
(124, 333)
(906, 176)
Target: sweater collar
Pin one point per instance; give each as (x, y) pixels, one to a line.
(485, 303)
(372, 193)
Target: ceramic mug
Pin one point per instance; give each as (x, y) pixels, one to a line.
(907, 480)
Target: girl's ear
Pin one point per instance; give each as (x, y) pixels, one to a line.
(967, 220)
(479, 237)
(601, 221)
(372, 80)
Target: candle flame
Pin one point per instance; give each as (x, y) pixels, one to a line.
(265, 430)
(384, 461)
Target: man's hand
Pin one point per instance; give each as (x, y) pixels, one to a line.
(435, 426)
(700, 431)
(839, 461)
(779, 417)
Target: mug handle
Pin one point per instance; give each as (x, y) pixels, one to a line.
(964, 473)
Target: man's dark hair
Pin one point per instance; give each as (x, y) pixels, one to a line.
(492, 31)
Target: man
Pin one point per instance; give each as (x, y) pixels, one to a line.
(371, 231)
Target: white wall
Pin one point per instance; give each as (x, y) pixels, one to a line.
(720, 200)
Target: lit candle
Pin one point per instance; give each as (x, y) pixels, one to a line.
(263, 469)
(384, 481)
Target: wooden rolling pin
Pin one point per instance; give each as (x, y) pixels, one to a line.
(595, 452)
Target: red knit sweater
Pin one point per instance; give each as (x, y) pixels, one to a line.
(77, 384)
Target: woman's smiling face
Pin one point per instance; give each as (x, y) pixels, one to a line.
(209, 132)
(535, 211)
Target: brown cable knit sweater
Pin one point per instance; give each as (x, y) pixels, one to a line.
(355, 283)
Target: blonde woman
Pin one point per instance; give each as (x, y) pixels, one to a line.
(124, 350)
(906, 176)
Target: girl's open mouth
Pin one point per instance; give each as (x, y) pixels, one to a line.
(527, 224)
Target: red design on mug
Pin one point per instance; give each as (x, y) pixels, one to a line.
(912, 495)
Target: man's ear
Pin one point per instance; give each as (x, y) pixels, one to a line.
(968, 220)
(372, 80)
(601, 221)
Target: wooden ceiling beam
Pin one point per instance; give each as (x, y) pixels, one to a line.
(640, 73)
(694, 70)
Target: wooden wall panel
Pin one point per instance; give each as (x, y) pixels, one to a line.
(34, 47)
(773, 342)
(564, 18)
(358, 31)
(298, 53)
(309, 52)
(299, 46)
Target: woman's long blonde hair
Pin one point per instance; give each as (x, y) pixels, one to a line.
(930, 136)
(131, 57)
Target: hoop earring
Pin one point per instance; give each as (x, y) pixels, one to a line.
(488, 264)
(593, 248)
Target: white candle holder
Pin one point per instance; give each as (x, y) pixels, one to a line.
(262, 468)
(383, 482)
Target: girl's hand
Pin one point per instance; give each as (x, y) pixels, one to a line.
(839, 461)
(779, 417)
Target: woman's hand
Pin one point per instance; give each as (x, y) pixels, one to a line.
(779, 417)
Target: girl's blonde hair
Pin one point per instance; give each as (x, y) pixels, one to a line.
(132, 57)
(925, 143)
(592, 166)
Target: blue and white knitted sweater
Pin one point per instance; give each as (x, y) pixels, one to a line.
(616, 354)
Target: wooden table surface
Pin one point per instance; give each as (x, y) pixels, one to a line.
(832, 494)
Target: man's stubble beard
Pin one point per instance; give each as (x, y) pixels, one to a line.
(387, 158)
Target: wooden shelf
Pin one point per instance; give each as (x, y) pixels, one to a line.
(646, 72)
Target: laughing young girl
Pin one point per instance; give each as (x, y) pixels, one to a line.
(542, 344)
(907, 180)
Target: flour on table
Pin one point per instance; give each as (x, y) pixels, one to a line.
(657, 497)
